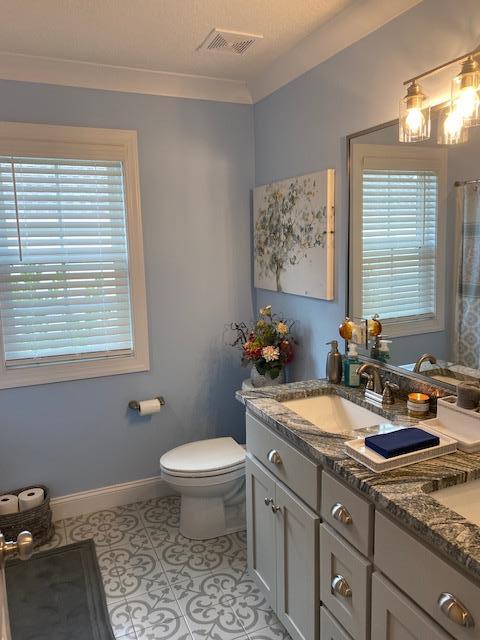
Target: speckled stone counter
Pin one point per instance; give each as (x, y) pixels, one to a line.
(404, 493)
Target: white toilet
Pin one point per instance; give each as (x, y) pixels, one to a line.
(210, 477)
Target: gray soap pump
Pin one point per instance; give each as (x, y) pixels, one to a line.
(334, 363)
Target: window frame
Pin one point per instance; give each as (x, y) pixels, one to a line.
(52, 141)
(383, 156)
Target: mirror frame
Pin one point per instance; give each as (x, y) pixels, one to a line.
(389, 367)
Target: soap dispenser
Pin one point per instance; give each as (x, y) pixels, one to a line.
(384, 351)
(351, 366)
(334, 363)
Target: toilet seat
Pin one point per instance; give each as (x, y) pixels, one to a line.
(204, 458)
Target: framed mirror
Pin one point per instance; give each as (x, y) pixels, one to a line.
(414, 249)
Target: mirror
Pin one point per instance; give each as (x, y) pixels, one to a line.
(414, 254)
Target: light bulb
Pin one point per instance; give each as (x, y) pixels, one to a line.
(414, 120)
(453, 125)
(467, 102)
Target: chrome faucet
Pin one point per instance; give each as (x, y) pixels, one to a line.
(376, 391)
(427, 357)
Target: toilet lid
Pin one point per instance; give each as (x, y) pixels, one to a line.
(204, 457)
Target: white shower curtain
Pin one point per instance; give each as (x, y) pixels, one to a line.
(467, 325)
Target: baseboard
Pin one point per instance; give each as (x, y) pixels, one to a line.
(106, 497)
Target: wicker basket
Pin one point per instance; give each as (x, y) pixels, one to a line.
(37, 520)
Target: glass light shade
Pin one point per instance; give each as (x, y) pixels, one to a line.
(414, 123)
(465, 93)
(414, 118)
(451, 129)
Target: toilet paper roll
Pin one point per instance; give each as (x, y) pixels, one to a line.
(147, 407)
(8, 504)
(30, 498)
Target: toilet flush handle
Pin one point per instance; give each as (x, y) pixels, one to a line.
(274, 457)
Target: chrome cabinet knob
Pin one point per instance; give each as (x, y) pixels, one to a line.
(455, 610)
(275, 509)
(23, 546)
(341, 513)
(268, 501)
(341, 586)
(274, 457)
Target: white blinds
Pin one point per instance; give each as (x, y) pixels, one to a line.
(399, 224)
(64, 286)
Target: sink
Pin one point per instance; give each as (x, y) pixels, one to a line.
(464, 499)
(333, 413)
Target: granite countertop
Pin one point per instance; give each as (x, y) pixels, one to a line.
(405, 493)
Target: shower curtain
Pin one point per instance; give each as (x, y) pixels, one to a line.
(467, 325)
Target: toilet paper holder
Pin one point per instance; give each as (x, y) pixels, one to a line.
(135, 404)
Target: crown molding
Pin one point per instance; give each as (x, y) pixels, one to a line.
(72, 73)
(353, 23)
(350, 25)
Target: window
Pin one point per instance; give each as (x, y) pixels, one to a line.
(398, 237)
(72, 292)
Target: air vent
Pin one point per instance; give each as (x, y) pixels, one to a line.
(229, 41)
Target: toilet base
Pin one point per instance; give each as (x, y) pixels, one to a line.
(203, 518)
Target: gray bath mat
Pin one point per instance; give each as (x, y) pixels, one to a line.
(58, 595)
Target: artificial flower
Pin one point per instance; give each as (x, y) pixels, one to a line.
(282, 328)
(266, 311)
(270, 353)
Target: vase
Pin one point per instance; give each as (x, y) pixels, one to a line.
(259, 380)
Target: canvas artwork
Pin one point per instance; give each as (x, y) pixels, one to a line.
(294, 235)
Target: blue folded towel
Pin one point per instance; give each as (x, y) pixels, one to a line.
(396, 443)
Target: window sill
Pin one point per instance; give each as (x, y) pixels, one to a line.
(49, 373)
(398, 329)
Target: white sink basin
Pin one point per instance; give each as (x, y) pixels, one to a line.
(463, 499)
(333, 413)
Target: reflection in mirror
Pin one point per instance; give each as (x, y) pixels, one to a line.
(415, 249)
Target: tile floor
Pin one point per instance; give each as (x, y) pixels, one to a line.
(161, 585)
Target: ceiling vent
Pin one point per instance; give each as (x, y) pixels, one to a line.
(229, 41)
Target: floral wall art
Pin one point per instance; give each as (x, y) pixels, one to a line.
(294, 235)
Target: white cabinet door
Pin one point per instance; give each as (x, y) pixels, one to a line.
(395, 617)
(298, 600)
(261, 529)
(4, 620)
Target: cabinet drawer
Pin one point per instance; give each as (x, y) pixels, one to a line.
(348, 513)
(425, 577)
(345, 583)
(395, 616)
(329, 627)
(289, 465)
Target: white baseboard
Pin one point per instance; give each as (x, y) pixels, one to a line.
(106, 497)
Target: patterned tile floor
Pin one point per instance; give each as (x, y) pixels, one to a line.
(161, 585)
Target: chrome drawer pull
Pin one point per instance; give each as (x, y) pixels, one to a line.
(341, 586)
(455, 610)
(274, 457)
(341, 513)
(268, 501)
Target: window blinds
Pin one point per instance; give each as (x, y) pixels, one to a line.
(399, 253)
(64, 286)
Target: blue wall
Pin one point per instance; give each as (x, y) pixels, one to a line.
(302, 127)
(196, 172)
(197, 163)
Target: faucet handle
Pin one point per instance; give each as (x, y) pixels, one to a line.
(388, 389)
(369, 378)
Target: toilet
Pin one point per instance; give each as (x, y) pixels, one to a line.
(209, 475)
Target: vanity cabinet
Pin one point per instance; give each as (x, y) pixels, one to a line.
(356, 576)
(395, 617)
(283, 550)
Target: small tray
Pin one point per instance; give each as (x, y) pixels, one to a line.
(467, 440)
(357, 450)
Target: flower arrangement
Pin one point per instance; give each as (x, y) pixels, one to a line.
(267, 344)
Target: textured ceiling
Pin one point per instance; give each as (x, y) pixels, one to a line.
(160, 35)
